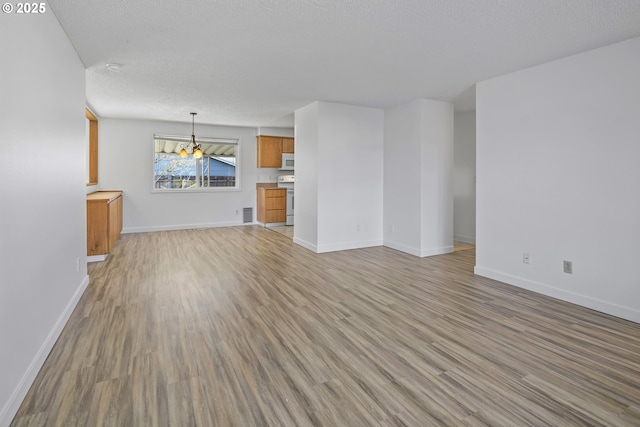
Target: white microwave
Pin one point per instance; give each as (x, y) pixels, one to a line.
(287, 162)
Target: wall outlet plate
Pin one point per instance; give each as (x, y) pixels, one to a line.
(567, 266)
(526, 258)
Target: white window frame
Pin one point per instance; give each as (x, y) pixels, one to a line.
(183, 140)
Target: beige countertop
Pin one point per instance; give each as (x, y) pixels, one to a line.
(266, 185)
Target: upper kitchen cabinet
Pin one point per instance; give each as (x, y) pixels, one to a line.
(287, 145)
(270, 149)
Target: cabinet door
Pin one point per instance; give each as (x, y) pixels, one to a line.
(104, 221)
(275, 203)
(269, 152)
(120, 219)
(276, 216)
(115, 221)
(275, 192)
(287, 145)
(97, 229)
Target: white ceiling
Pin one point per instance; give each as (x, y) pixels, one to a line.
(254, 62)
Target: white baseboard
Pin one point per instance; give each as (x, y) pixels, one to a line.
(348, 245)
(417, 251)
(436, 251)
(465, 239)
(402, 248)
(305, 244)
(96, 258)
(172, 227)
(607, 307)
(338, 247)
(14, 402)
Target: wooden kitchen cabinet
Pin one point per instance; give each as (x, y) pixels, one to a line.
(272, 205)
(287, 145)
(104, 221)
(270, 149)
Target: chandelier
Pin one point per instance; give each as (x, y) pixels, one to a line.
(195, 147)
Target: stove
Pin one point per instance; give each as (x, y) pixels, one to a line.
(287, 181)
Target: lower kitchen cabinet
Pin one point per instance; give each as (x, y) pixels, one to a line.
(272, 205)
(104, 221)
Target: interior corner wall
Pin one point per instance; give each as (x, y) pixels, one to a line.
(464, 177)
(339, 152)
(402, 177)
(350, 146)
(437, 177)
(42, 213)
(557, 178)
(126, 163)
(418, 180)
(305, 217)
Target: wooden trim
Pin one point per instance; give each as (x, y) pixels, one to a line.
(89, 115)
(93, 147)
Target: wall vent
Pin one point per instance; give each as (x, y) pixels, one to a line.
(247, 215)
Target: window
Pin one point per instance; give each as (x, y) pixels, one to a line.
(216, 170)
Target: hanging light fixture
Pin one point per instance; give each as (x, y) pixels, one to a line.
(195, 147)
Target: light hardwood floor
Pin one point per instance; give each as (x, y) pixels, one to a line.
(286, 230)
(462, 246)
(240, 327)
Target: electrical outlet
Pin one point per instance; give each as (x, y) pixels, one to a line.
(237, 211)
(568, 267)
(78, 265)
(358, 227)
(526, 258)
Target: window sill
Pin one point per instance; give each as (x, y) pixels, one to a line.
(195, 190)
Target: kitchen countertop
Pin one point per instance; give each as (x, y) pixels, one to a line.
(266, 185)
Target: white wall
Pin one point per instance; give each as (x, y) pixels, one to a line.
(464, 177)
(271, 131)
(126, 163)
(437, 177)
(558, 154)
(42, 214)
(305, 214)
(402, 177)
(418, 162)
(348, 175)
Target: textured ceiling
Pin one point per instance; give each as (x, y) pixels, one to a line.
(254, 62)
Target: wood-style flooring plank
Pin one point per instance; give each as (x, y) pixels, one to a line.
(239, 326)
